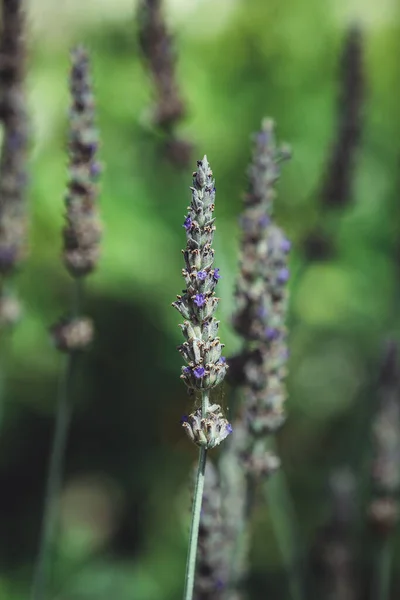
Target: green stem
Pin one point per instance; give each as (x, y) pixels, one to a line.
(383, 569)
(284, 523)
(55, 468)
(205, 402)
(196, 510)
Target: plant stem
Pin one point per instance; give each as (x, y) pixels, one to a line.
(284, 523)
(196, 510)
(55, 468)
(383, 569)
(205, 401)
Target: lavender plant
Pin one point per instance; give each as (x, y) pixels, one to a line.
(261, 298)
(13, 162)
(202, 350)
(383, 510)
(81, 236)
(157, 46)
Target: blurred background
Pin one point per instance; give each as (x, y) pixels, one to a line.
(126, 496)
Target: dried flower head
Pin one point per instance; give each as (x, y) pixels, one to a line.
(73, 334)
(209, 431)
(10, 310)
(202, 350)
(13, 115)
(82, 232)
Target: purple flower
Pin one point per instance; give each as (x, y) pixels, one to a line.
(286, 245)
(263, 137)
(202, 275)
(283, 275)
(184, 419)
(95, 169)
(92, 147)
(200, 300)
(229, 428)
(222, 360)
(186, 370)
(264, 221)
(187, 223)
(216, 274)
(272, 333)
(198, 372)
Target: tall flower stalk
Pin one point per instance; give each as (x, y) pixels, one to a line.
(261, 299)
(202, 350)
(81, 236)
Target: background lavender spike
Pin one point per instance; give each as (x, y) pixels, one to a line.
(261, 298)
(81, 236)
(337, 187)
(383, 511)
(332, 556)
(158, 51)
(13, 116)
(337, 183)
(385, 475)
(82, 232)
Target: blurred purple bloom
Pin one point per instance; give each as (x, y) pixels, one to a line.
(264, 221)
(216, 274)
(202, 275)
(283, 275)
(272, 333)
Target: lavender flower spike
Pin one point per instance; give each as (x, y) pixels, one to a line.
(261, 290)
(202, 348)
(82, 232)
